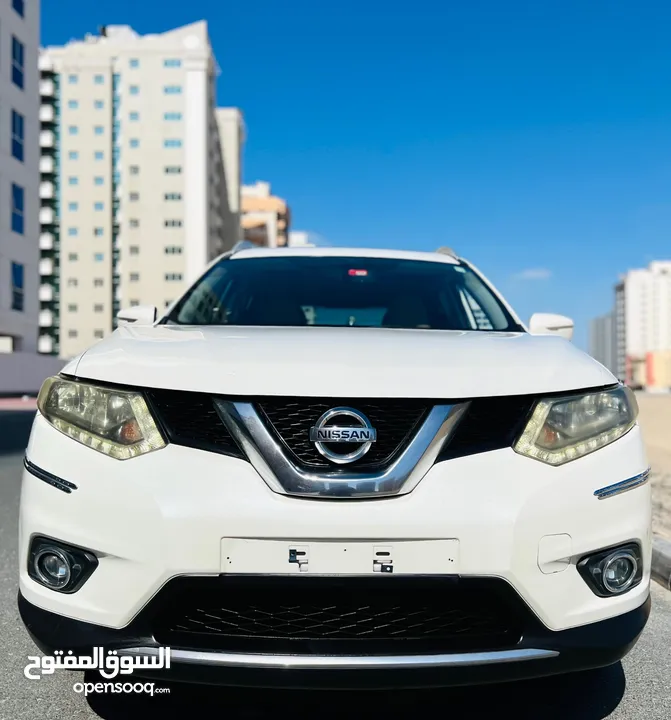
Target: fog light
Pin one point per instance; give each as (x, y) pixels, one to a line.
(614, 571)
(52, 567)
(60, 567)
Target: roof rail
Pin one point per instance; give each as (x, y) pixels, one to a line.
(447, 251)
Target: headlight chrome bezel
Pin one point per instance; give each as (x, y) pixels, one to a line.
(537, 422)
(83, 430)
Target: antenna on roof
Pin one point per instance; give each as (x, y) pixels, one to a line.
(243, 245)
(447, 251)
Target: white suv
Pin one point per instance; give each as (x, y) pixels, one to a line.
(322, 461)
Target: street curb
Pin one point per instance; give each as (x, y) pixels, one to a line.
(661, 562)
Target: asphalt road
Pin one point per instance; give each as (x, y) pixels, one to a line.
(637, 689)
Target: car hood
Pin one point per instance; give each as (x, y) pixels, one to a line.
(339, 362)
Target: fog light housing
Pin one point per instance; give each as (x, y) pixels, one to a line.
(613, 572)
(59, 567)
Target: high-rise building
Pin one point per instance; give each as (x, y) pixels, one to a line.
(134, 198)
(642, 318)
(602, 346)
(265, 217)
(232, 136)
(19, 174)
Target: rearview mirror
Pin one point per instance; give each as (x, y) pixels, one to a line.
(139, 314)
(551, 324)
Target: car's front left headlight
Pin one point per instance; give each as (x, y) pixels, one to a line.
(117, 423)
(566, 428)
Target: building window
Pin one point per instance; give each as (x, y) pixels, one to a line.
(98, 308)
(73, 79)
(17, 287)
(72, 308)
(98, 104)
(172, 116)
(98, 180)
(134, 197)
(72, 333)
(134, 250)
(72, 282)
(172, 89)
(134, 90)
(98, 155)
(98, 257)
(73, 155)
(98, 129)
(172, 223)
(98, 207)
(98, 232)
(98, 282)
(73, 104)
(19, 7)
(134, 277)
(134, 63)
(134, 223)
(73, 257)
(172, 63)
(172, 143)
(17, 135)
(134, 116)
(173, 250)
(73, 180)
(134, 169)
(134, 143)
(173, 170)
(173, 196)
(73, 206)
(17, 62)
(73, 232)
(18, 209)
(170, 277)
(134, 303)
(73, 130)
(99, 334)
(98, 79)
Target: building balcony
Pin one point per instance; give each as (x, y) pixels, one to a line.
(46, 190)
(47, 113)
(47, 87)
(47, 164)
(47, 139)
(46, 293)
(47, 216)
(46, 267)
(46, 318)
(46, 241)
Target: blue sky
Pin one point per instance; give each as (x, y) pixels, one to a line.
(533, 137)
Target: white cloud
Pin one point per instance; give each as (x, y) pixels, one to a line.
(534, 274)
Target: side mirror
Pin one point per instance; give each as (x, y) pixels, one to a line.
(139, 315)
(551, 324)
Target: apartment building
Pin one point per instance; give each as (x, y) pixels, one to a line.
(265, 217)
(642, 318)
(135, 201)
(232, 136)
(19, 174)
(602, 344)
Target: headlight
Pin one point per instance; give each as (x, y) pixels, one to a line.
(114, 422)
(566, 428)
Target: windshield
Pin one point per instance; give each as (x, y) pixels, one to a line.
(342, 291)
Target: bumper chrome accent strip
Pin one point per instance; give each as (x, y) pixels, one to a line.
(47, 477)
(283, 476)
(624, 486)
(343, 662)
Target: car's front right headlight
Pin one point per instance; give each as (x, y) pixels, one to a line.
(566, 428)
(114, 422)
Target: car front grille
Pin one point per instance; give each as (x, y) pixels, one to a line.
(190, 419)
(321, 615)
(395, 421)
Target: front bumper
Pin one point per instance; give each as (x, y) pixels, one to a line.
(540, 653)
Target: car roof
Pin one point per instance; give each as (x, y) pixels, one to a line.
(438, 257)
